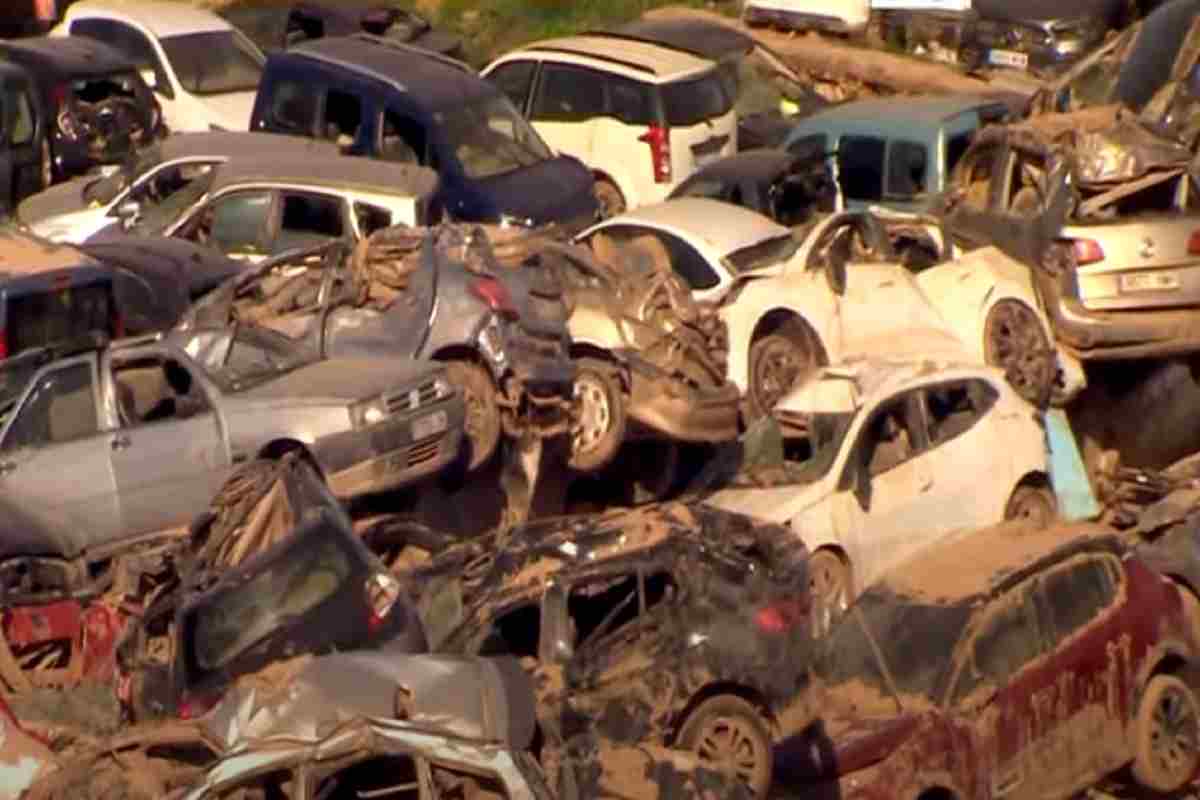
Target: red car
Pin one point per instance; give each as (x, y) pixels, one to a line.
(1006, 663)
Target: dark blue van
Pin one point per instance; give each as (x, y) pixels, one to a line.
(384, 99)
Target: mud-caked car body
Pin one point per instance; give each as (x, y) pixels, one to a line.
(422, 293)
(1008, 661)
(676, 625)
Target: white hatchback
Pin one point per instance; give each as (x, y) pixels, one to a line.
(204, 72)
(640, 115)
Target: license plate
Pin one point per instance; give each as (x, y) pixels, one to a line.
(430, 425)
(1150, 282)
(1008, 58)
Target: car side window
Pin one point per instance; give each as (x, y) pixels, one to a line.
(166, 182)
(238, 221)
(1007, 639)
(293, 108)
(569, 94)
(155, 390)
(342, 117)
(514, 79)
(402, 139)
(61, 407)
(390, 776)
(890, 438)
(630, 101)
(20, 119)
(907, 167)
(309, 219)
(274, 785)
(952, 409)
(453, 783)
(860, 167)
(1075, 594)
(688, 263)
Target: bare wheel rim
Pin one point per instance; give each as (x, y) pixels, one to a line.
(827, 585)
(727, 743)
(595, 413)
(776, 370)
(1013, 340)
(1173, 738)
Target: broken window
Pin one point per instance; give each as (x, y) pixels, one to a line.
(601, 609)
(954, 408)
(236, 223)
(907, 166)
(275, 785)
(891, 438)
(21, 124)
(343, 115)
(569, 94)
(155, 389)
(371, 218)
(166, 182)
(514, 79)
(401, 139)
(391, 777)
(309, 219)
(452, 783)
(294, 107)
(1074, 595)
(60, 407)
(515, 633)
(860, 167)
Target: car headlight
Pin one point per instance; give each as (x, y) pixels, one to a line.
(367, 413)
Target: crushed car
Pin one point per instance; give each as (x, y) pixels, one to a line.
(875, 466)
(149, 433)
(1039, 661)
(408, 293)
(675, 625)
(24, 759)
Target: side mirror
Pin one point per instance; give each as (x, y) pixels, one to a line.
(557, 642)
(128, 213)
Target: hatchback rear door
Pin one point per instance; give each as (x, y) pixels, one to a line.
(699, 114)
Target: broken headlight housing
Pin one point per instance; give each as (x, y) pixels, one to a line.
(366, 413)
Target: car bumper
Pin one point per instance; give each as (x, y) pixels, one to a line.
(1118, 335)
(388, 456)
(669, 406)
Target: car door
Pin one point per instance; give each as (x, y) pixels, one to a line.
(887, 503)
(568, 104)
(168, 457)
(54, 454)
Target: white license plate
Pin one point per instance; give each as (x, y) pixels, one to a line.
(429, 425)
(1008, 58)
(1150, 282)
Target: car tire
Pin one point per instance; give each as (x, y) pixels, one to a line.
(829, 588)
(599, 428)
(1166, 735)
(778, 362)
(1034, 504)
(482, 421)
(729, 733)
(608, 197)
(1014, 341)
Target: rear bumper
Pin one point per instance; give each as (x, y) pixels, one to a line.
(669, 406)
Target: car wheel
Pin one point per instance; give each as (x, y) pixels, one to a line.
(778, 362)
(829, 587)
(609, 198)
(1033, 504)
(729, 734)
(483, 412)
(1167, 735)
(599, 427)
(1013, 339)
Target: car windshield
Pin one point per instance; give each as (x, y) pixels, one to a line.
(214, 62)
(308, 573)
(489, 137)
(915, 638)
(255, 356)
(776, 250)
(105, 189)
(155, 213)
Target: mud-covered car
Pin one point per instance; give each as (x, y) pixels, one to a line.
(99, 106)
(676, 625)
(149, 433)
(1007, 661)
(422, 293)
(1100, 214)
(24, 759)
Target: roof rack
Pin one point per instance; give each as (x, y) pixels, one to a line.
(384, 41)
(559, 48)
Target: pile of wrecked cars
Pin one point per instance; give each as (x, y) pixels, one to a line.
(741, 449)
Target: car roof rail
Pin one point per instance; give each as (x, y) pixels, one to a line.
(403, 47)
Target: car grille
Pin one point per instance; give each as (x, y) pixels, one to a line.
(425, 451)
(403, 402)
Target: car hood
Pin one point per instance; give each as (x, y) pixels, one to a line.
(52, 203)
(342, 380)
(229, 111)
(555, 190)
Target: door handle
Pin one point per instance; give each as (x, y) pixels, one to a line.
(121, 441)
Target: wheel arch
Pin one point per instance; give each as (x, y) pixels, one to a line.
(767, 323)
(280, 446)
(715, 689)
(579, 350)
(462, 352)
(835, 548)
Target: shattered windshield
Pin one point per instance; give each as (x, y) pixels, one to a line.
(156, 212)
(490, 138)
(257, 355)
(766, 253)
(915, 638)
(214, 62)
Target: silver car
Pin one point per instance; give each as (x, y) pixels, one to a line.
(136, 437)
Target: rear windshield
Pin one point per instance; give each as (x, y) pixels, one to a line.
(490, 137)
(42, 318)
(694, 100)
(214, 62)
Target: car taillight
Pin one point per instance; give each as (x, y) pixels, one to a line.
(495, 294)
(1194, 244)
(382, 592)
(194, 706)
(1086, 251)
(779, 617)
(3, 343)
(659, 139)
